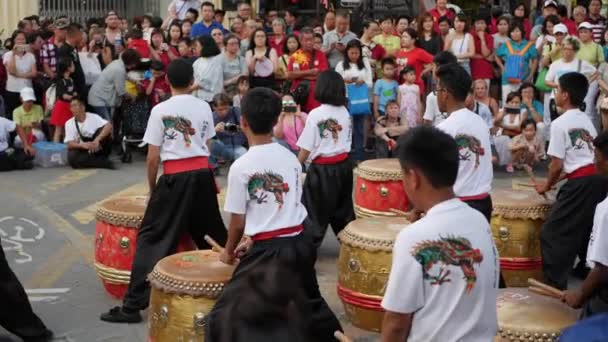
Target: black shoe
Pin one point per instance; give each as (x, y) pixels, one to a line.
(118, 315)
(46, 337)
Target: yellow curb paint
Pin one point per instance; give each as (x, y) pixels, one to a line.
(55, 266)
(69, 178)
(87, 215)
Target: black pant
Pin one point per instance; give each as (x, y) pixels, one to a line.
(181, 203)
(297, 253)
(566, 231)
(11, 102)
(16, 313)
(82, 159)
(15, 160)
(327, 196)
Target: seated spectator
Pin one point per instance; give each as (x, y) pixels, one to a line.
(532, 106)
(242, 86)
(29, 118)
(290, 124)
(388, 129)
(157, 88)
(508, 125)
(229, 142)
(89, 138)
(13, 158)
(527, 148)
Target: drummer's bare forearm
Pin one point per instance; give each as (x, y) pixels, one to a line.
(596, 279)
(303, 155)
(555, 169)
(236, 228)
(396, 326)
(152, 164)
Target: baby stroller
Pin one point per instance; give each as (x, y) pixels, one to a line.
(135, 115)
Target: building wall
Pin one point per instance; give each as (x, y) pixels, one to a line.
(11, 11)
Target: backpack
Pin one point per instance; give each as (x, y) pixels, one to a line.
(50, 98)
(514, 63)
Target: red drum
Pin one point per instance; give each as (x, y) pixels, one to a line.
(379, 188)
(118, 221)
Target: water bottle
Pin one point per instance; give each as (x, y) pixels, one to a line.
(118, 41)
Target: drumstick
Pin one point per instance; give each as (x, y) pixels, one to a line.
(214, 245)
(341, 337)
(533, 179)
(398, 212)
(542, 292)
(545, 287)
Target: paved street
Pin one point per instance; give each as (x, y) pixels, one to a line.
(47, 224)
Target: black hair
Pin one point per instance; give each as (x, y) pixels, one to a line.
(526, 10)
(136, 34)
(455, 80)
(74, 29)
(157, 66)
(318, 35)
(292, 10)
(444, 58)
(261, 108)
(527, 122)
(186, 40)
(330, 89)
(601, 143)
(31, 38)
(92, 21)
(387, 17)
(208, 4)
(63, 64)
(155, 32)
(180, 74)
(549, 19)
(513, 95)
(462, 17)
(179, 26)
(431, 151)
(221, 99)
(479, 17)
(16, 33)
(353, 44)
(210, 48)
(367, 23)
(79, 99)
(285, 49)
(390, 103)
(496, 12)
(242, 79)
(517, 24)
(444, 18)
(576, 86)
(231, 37)
(220, 11)
(527, 85)
(194, 11)
(407, 69)
(413, 34)
(252, 39)
(388, 61)
(130, 57)
(148, 18)
(562, 11)
(406, 17)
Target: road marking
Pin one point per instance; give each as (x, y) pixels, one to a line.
(47, 291)
(69, 178)
(87, 215)
(54, 267)
(45, 295)
(42, 299)
(15, 242)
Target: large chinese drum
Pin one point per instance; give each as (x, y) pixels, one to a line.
(118, 222)
(517, 218)
(185, 287)
(379, 188)
(527, 316)
(364, 265)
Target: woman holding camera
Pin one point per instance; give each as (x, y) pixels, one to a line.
(159, 49)
(20, 65)
(290, 125)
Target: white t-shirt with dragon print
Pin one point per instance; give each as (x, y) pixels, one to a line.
(572, 135)
(475, 171)
(181, 127)
(264, 185)
(445, 270)
(328, 132)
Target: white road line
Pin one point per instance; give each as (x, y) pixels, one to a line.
(47, 291)
(43, 299)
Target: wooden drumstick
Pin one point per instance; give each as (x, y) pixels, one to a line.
(550, 289)
(533, 179)
(398, 212)
(341, 337)
(542, 292)
(214, 245)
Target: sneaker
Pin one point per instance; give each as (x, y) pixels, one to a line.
(118, 315)
(510, 168)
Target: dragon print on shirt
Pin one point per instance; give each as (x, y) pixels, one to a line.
(260, 184)
(330, 125)
(579, 137)
(177, 124)
(468, 145)
(448, 251)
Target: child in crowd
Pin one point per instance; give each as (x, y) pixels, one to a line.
(29, 117)
(290, 124)
(387, 38)
(318, 41)
(526, 148)
(65, 92)
(508, 125)
(243, 87)
(386, 88)
(388, 129)
(137, 43)
(157, 87)
(409, 94)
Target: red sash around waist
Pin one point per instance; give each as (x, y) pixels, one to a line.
(331, 160)
(184, 165)
(588, 170)
(278, 233)
(474, 197)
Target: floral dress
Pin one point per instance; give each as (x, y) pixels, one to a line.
(410, 93)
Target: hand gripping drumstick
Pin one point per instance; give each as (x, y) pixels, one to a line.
(533, 179)
(542, 292)
(214, 245)
(341, 337)
(548, 290)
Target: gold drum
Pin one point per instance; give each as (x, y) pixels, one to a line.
(517, 218)
(364, 265)
(527, 316)
(185, 287)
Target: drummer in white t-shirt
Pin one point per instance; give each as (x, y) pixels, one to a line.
(432, 114)
(444, 276)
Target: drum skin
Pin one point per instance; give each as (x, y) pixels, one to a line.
(364, 265)
(527, 316)
(118, 221)
(379, 188)
(185, 287)
(516, 222)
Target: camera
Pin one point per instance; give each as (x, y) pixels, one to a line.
(231, 127)
(290, 109)
(512, 110)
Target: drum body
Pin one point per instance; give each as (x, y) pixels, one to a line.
(527, 316)
(379, 188)
(118, 221)
(364, 265)
(185, 287)
(517, 218)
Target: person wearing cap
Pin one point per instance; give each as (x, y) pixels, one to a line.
(552, 50)
(590, 51)
(597, 21)
(13, 158)
(49, 49)
(28, 117)
(549, 8)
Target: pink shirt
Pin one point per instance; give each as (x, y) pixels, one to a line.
(291, 134)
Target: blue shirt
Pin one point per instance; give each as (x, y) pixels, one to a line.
(531, 54)
(606, 53)
(232, 117)
(199, 29)
(386, 91)
(537, 106)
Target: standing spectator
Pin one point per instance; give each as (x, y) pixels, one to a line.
(402, 23)
(602, 101)
(114, 34)
(290, 46)
(278, 37)
(207, 24)
(481, 94)
(65, 92)
(409, 98)
(502, 32)
(387, 39)
(597, 21)
(304, 67)
(233, 64)
(208, 71)
(590, 51)
(546, 35)
(21, 68)
(49, 49)
(523, 62)
(219, 16)
(35, 41)
(107, 92)
(335, 41)
(318, 39)
(159, 49)
(461, 43)
(218, 35)
(261, 60)
(562, 13)
(579, 14)
(386, 88)
(413, 56)
(549, 9)
(186, 28)
(271, 15)
(291, 17)
(371, 50)
(174, 36)
(481, 62)
(441, 10)
(244, 10)
(521, 14)
(356, 71)
(179, 8)
(428, 39)
(329, 22)
(229, 142)
(157, 88)
(290, 124)
(69, 50)
(445, 28)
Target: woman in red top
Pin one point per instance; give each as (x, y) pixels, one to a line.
(277, 40)
(411, 55)
(441, 9)
(521, 14)
(481, 62)
(159, 50)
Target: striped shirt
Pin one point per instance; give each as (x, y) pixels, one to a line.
(597, 27)
(48, 54)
